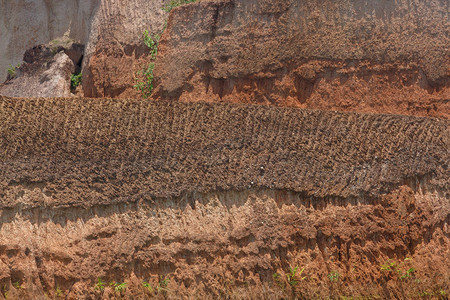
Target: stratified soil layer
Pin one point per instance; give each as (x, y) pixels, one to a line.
(127, 150)
(220, 200)
(348, 55)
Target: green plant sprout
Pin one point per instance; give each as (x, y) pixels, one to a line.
(175, 3)
(292, 274)
(147, 285)
(58, 292)
(17, 285)
(333, 276)
(145, 86)
(120, 287)
(391, 266)
(163, 284)
(144, 77)
(75, 80)
(151, 43)
(100, 285)
(12, 70)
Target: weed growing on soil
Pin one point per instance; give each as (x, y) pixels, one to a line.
(163, 285)
(151, 43)
(145, 85)
(176, 3)
(292, 274)
(12, 70)
(277, 278)
(17, 285)
(293, 277)
(58, 292)
(144, 77)
(119, 287)
(333, 276)
(407, 274)
(147, 286)
(75, 80)
(100, 285)
(440, 294)
(401, 269)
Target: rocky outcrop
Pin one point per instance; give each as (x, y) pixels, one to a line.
(53, 82)
(46, 71)
(111, 30)
(369, 56)
(25, 24)
(215, 200)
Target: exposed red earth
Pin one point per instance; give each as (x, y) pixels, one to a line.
(221, 200)
(290, 150)
(367, 56)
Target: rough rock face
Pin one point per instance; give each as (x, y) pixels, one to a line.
(111, 30)
(219, 198)
(369, 56)
(43, 74)
(25, 24)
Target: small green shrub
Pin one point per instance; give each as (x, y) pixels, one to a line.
(278, 280)
(100, 285)
(163, 284)
(17, 285)
(147, 285)
(175, 3)
(292, 275)
(144, 77)
(151, 43)
(407, 274)
(12, 70)
(120, 287)
(333, 276)
(58, 292)
(388, 266)
(401, 269)
(75, 80)
(144, 81)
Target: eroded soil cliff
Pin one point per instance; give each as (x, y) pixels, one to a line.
(368, 56)
(220, 200)
(115, 51)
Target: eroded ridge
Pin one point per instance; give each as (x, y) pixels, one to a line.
(229, 244)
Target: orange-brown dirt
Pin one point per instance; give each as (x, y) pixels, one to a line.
(367, 56)
(115, 50)
(221, 200)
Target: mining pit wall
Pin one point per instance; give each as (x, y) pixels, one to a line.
(218, 198)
